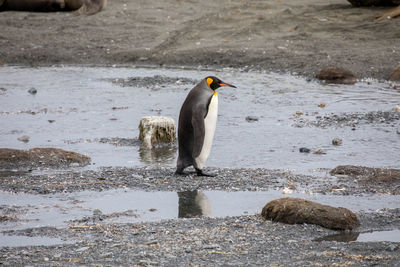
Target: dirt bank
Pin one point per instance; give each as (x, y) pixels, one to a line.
(295, 36)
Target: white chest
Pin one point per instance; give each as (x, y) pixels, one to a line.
(210, 122)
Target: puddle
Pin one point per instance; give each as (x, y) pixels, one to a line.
(76, 105)
(122, 206)
(376, 236)
(23, 241)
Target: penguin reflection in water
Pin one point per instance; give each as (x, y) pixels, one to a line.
(196, 126)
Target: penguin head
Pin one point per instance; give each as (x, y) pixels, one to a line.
(214, 83)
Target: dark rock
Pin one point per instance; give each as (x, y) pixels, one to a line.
(370, 175)
(299, 211)
(398, 130)
(304, 150)
(374, 2)
(395, 75)
(337, 75)
(32, 91)
(49, 157)
(251, 118)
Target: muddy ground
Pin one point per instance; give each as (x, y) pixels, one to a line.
(297, 36)
(290, 36)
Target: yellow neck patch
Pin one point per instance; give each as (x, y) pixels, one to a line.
(215, 92)
(209, 81)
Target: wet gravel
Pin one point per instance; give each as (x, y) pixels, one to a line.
(351, 119)
(164, 179)
(244, 240)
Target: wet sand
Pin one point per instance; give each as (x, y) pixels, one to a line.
(296, 36)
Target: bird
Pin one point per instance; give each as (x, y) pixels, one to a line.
(196, 125)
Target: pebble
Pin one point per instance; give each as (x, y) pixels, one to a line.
(251, 118)
(319, 151)
(336, 141)
(32, 91)
(398, 129)
(304, 150)
(23, 138)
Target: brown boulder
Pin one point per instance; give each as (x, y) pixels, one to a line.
(336, 75)
(40, 157)
(370, 175)
(298, 211)
(395, 75)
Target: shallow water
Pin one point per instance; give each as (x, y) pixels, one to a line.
(375, 236)
(120, 205)
(85, 105)
(23, 241)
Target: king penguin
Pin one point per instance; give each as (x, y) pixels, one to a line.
(196, 125)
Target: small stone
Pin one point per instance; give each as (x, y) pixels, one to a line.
(24, 138)
(299, 113)
(336, 141)
(398, 130)
(152, 210)
(304, 150)
(322, 105)
(74, 164)
(251, 118)
(51, 121)
(32, 91)
(287, 190)
(319, 151)
(46, 259)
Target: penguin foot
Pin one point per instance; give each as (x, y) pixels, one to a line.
(181, 172)
(201, 173)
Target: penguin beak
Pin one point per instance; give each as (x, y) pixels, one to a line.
(227, 84)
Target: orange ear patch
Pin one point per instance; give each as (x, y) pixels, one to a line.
(209, 81)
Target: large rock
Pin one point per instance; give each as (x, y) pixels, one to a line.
(395, 75)
(40, 157)
(296, 210)
(156, 129)
(367, 174)
(374, 2)
(338, 75)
